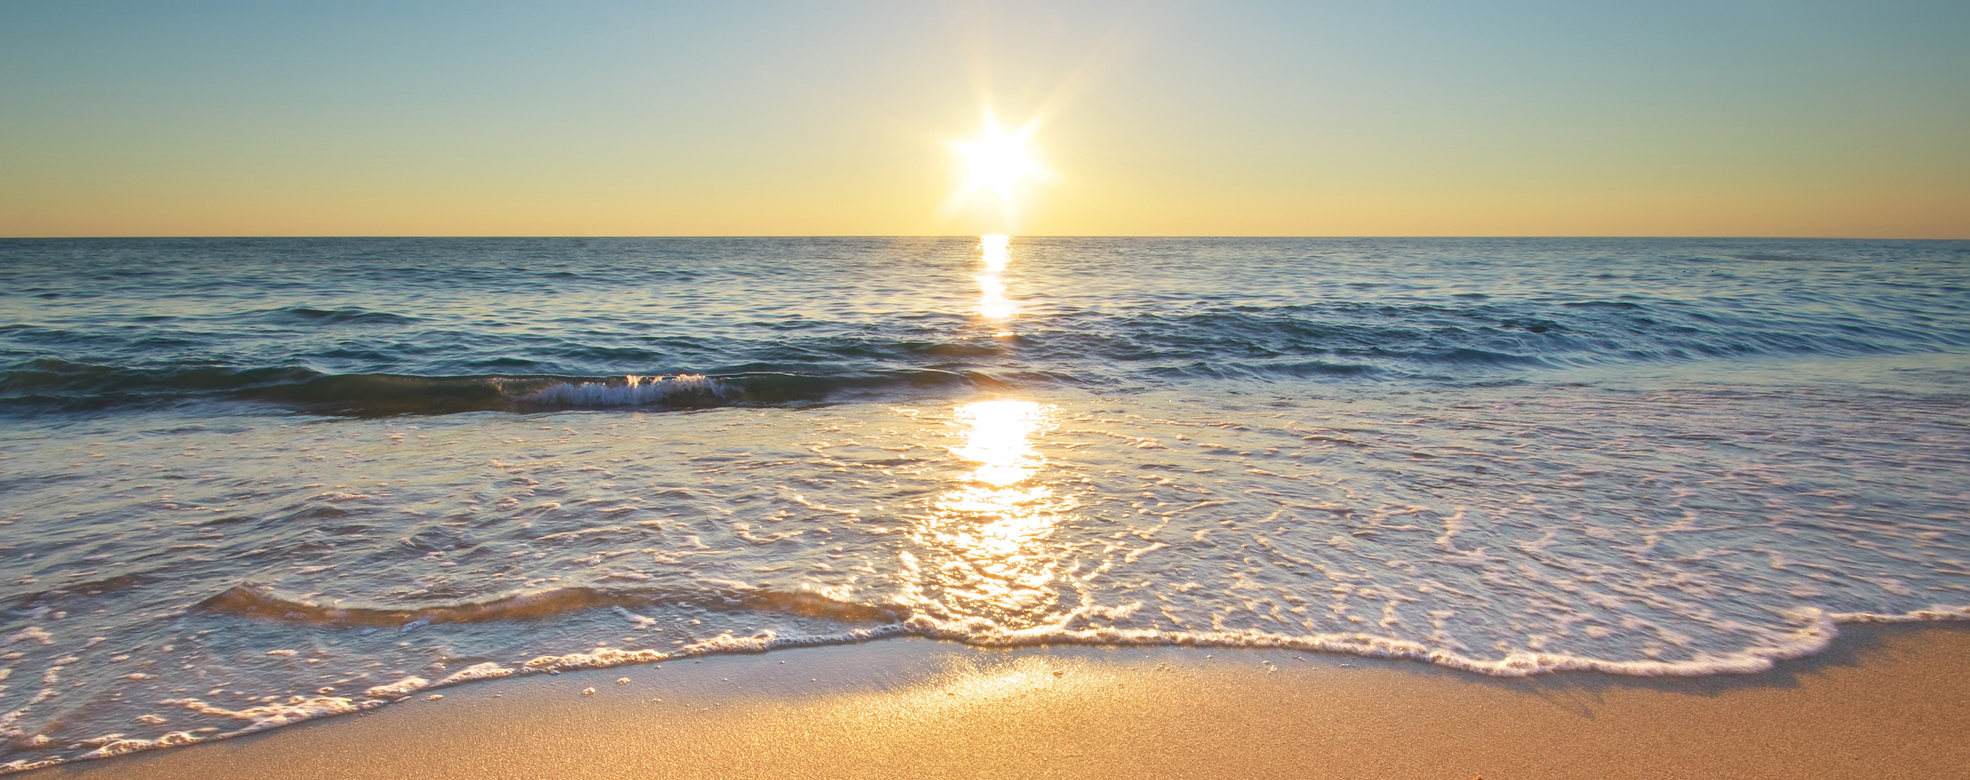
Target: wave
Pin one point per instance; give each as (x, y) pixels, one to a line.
(1812, 629)
(792, 361)
(342, 316)
(61, 385)
(256, 601)
(1426, 338)
(634, 390)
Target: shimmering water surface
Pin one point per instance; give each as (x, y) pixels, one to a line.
(250, 482)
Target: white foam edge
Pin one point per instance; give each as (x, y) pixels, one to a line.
(1813, 632)
(723, 644)
(271, 716)
(1816, 630)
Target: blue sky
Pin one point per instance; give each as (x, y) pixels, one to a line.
(1272, 118)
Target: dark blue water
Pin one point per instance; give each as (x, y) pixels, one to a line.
(382, 326)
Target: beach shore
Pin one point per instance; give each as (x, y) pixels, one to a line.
(1884, 702)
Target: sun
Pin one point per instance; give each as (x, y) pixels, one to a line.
(998, 161)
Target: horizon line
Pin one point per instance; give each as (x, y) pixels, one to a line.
(973, 236)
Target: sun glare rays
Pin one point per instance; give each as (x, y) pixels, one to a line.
(998, 165)
(997, 161)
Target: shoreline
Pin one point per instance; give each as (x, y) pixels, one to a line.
(1884, 700)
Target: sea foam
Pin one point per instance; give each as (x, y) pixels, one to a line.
(634, 390)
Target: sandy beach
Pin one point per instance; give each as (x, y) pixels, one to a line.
(1884, 702)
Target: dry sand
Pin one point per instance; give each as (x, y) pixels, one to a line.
(1885, 702)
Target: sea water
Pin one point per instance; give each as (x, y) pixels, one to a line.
(248, 482)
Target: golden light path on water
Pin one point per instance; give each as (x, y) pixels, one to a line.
(996, 251)
(985, 535)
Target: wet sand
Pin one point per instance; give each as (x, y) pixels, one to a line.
(1884, 702)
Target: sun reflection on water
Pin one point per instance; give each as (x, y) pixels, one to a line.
(992, 302)
(998, 251)
(985, 535)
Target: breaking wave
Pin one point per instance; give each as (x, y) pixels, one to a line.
(60, 385)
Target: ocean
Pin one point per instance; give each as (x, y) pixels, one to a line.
(250, 482)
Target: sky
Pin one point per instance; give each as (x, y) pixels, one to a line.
(841, 117)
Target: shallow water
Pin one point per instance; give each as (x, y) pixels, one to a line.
(248, 482)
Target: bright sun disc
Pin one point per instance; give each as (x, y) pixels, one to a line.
(998, 161)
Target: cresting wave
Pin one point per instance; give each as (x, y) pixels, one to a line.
(634, 391)
(64, 386)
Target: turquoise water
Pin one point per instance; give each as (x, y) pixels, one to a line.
(247, 482)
